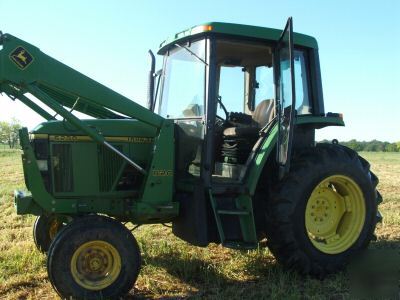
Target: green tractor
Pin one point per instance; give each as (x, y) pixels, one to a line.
(225, 150)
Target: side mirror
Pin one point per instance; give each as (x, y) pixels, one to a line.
(150, 85)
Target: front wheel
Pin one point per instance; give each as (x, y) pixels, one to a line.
(324, 212)
(94, 257)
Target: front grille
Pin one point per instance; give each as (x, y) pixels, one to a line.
(62, 168)
(109, 166)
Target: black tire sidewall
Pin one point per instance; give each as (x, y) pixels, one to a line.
(41, 234)
(86, 230)
(318, 174)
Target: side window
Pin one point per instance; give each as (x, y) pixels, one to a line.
(303, 104)
(264, 88)
(231, 89)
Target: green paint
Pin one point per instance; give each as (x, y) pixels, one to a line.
(319, 121)
(123, 128)
(257, 165)
(246, 31)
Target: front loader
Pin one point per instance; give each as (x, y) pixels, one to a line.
(225, 150)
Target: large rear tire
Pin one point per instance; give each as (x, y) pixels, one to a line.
(93, 257)
(324, 212)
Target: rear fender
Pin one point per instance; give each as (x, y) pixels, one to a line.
(256, 166)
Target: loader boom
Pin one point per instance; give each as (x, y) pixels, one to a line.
(24, 70)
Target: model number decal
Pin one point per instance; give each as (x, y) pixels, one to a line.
(66, 138)
(162, 173)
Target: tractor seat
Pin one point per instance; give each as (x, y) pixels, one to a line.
(241, 131)
(263, 114)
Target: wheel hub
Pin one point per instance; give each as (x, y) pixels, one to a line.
(95, 265)
(335, 214)
(325, 212)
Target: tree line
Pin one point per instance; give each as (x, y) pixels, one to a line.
(9, 136)
(371, 146)
(9, 133)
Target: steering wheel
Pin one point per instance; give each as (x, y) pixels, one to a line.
(219, 118)
(219, 101)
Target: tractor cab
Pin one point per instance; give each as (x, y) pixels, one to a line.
(237, 95)
(225, 85)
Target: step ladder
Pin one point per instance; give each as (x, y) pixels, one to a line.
(243, 210)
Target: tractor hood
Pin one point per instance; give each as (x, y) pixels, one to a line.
(108, 128)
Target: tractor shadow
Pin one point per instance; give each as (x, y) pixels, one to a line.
(385, 244)
(193, 272)
(264, 277)
(205, 279)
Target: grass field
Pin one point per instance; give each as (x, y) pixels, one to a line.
(173, 269)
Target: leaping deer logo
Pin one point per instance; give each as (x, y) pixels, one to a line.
(21, 57)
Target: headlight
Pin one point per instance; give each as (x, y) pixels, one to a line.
(42, 165)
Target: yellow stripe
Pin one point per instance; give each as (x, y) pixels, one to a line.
(85, 138)
(39, 136)
(130, 139)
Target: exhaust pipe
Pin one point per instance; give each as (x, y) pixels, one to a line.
(150, 85)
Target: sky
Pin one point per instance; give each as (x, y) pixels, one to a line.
(359, 44)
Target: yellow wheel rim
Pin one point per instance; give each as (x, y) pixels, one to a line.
(335, 214)
(95, 265)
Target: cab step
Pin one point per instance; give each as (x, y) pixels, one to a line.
(235, 220)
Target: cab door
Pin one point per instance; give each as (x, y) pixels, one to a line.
(285, 96)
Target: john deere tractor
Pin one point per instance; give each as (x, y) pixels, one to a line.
(225, 150)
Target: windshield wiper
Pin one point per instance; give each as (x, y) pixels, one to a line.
(192, 53)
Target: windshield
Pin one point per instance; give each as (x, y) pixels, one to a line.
(184, 82)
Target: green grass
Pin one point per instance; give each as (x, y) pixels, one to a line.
(174, 269)
(4, 147)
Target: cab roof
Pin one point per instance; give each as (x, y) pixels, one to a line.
(239, 30)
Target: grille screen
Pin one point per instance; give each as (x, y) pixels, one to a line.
(109, 165)
(62, 164)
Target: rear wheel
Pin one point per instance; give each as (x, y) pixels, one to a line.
(324, 212)
(94, 257)
(45, 229)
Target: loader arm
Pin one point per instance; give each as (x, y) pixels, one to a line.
(26, 69)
